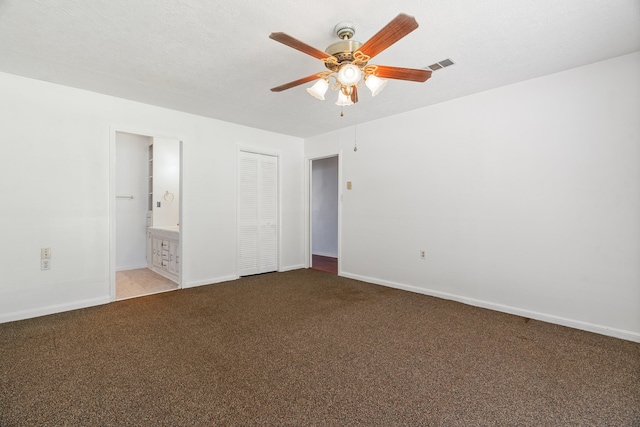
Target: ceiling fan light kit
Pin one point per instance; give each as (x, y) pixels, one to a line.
(349, 74)
(319, 89)
(343, 100)
(375, 84)
(348, 61)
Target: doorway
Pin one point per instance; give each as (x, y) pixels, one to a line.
(324, 202)
(146, 221)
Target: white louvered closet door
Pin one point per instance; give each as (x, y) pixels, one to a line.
(257, 213)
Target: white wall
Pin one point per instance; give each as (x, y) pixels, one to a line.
(325, 207)
(56, 177)
(525, 198)
(132, 174)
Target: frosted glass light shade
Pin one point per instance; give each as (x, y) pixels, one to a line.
(343, 100)
(319, 89)
(375, 84)
(349, 75)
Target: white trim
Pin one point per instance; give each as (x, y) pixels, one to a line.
(112, 212)
(549, 318)
(308, 251)
(113, 130)
(324, 254)
(143, 132)
(258, 150)
(292, 267)
(150, 293)
(308, 238)
(131, 267)
(53, 309)
(180, 211)
(209, 281)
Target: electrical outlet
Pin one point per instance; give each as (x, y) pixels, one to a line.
(45, 264)
(423, 254)
(45, 253)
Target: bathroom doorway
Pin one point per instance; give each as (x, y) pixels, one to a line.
(146, 255)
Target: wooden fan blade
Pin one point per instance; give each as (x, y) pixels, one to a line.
(399, 27)
(298, 45)
(354, 94)
(295, 83)
(397, 73)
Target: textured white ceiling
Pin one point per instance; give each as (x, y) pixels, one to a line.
(214, 58)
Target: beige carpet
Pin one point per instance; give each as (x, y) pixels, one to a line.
(309, 348)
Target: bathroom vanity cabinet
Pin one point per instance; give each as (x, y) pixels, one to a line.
(163, 251)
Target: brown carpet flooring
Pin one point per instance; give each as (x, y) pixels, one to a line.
(309, 348)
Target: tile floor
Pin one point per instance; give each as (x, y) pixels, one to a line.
(139, 282)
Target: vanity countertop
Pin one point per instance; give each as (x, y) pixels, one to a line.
(165, 231)
(166, 227)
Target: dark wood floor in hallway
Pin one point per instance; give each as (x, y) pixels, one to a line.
(324, 263)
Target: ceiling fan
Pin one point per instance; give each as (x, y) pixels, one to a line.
(348, 61)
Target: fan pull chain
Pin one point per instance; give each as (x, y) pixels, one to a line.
(355, 138)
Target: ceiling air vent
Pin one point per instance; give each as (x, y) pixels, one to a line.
(442, 64)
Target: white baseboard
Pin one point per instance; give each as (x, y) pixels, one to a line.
(325, 254)
(134, 267)
(52, 309)
(209, 281)
(549, 318)
(291, 267)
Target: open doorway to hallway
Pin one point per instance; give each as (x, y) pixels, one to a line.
(324, 214)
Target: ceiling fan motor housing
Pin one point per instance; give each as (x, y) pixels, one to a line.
(345, 29)
(344, 49)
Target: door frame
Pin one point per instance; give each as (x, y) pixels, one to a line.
(308, 208)
(275, 153)
(113, 130)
